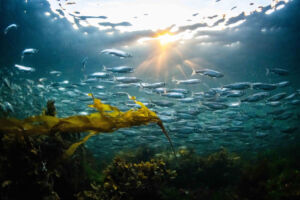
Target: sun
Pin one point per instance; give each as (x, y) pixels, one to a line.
(166, 38)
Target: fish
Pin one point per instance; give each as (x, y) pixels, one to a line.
(163, 103)
(174, 95)
(234, 93)
(119, 69)
(187, 100)
(123, 85)
(116, 52)
(261, 134)
(152, 85)
(185, 116)
(9, 27)
(256, 97)
(99, 75)
(278, 71)
(180, 90)
(284, 116)
(208, 72)
(264, 86)
(215, 105)
(161, 90)
(29, 51)
(24, 68)
(91, 80)
(187, 82)
(291, 96)
(277, 97)
(238, 86)
(57, 73)
(274, 103)
(124, 79)
(283, 84)
(84, 62)
(99, 87)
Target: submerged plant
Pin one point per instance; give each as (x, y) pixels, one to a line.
(126, 180)
(107, 119)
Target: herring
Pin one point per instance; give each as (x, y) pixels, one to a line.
(264, 86)
(15, 26)
(187, 82)
(208, 72)
(29, 51)
(124, 79)
(277, 97)
(278, 71)
(99, 75)
(238, 86)
(24, 68)
(119, 69)
(153, 85)
(174, 95)
(180, 90)
(256, 97)
(116, 52)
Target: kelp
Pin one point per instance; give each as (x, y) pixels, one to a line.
(108, 119)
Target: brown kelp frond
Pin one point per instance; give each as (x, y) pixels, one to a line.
(107, 119)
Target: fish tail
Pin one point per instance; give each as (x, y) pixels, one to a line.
(104, 68)
(22, 58)
(251, 86)
(141, 85)
(267, 71)
(194, 72)
(174, 80)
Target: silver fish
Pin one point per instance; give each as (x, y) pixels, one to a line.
(125, 79)
(153, 85)
(116, 52)
(208, 72)
(99, 75)
(119, 69)
(188, 81)
(24, 68)
(238, 86)
(174, 95)
(277, 97)
(264, 86)
(278, 71)
(15, 26)
(256, 97)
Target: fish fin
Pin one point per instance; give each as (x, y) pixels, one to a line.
(251, 86)
(141, 85)
(194, 72)
(174, 80)
(165, 91)
(267, 71)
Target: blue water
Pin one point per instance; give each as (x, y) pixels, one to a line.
(243, 53)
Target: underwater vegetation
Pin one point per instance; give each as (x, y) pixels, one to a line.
(34, 167)
(220, 175)
(107, 119)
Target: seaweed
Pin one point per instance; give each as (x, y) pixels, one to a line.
(108, 119)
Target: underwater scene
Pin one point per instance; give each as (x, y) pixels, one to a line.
(150, 100)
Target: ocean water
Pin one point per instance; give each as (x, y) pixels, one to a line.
(218, 74)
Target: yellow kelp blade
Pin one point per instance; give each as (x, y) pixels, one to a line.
(74, 146)
(107, 119)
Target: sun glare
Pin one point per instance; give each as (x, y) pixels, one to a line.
(166, 38)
